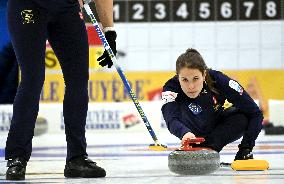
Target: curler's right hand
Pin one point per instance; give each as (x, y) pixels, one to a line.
(188, 135)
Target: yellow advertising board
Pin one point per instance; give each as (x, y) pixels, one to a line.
(52, 64)
(270, 83)
(107, 86)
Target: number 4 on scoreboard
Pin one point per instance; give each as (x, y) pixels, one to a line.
(182, 11)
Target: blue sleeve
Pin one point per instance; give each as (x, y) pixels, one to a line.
(171, 110)
(236, 95)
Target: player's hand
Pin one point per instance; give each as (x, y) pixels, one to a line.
(244, 153)
(105, 59)
(188, 135)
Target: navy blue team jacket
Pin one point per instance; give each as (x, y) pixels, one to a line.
(200, 115)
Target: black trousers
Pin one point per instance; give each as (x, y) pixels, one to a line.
(230, 128)
(31, 23)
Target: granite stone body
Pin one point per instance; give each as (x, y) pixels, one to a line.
(41, 126)
(199, 162)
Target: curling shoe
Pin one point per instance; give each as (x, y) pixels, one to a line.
(16, 169)
(82, 167)
(244, 154)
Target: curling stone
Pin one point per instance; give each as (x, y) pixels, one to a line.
(189, 160)
(41, 126)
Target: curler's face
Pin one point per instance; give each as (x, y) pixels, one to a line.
(191, 81)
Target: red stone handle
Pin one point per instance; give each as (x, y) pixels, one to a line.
(187, 145)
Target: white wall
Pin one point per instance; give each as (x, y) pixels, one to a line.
(224, 45)
(276, 115)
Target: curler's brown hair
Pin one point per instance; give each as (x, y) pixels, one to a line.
(192, 59)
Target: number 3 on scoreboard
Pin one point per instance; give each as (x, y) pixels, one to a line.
(160, 11)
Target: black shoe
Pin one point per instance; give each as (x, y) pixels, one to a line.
(16, 169)
(83, 167)
(244, 154)
(275, 130)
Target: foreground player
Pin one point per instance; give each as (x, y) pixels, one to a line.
(193, 107)
(30, 24)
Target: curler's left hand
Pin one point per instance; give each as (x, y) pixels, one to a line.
(105, 59)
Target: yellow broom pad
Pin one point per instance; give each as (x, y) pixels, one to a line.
(250, 165)
(157, 147)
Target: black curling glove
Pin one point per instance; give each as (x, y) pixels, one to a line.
(105, 59)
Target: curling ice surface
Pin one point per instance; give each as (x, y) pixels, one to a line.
(126, 158)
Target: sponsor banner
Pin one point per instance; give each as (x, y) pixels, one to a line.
(268, 82)
(101, 117)
(52, 64)
(108, 87)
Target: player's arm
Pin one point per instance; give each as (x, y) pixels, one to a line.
(171, 112)
(105, 12)
(81, 3)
